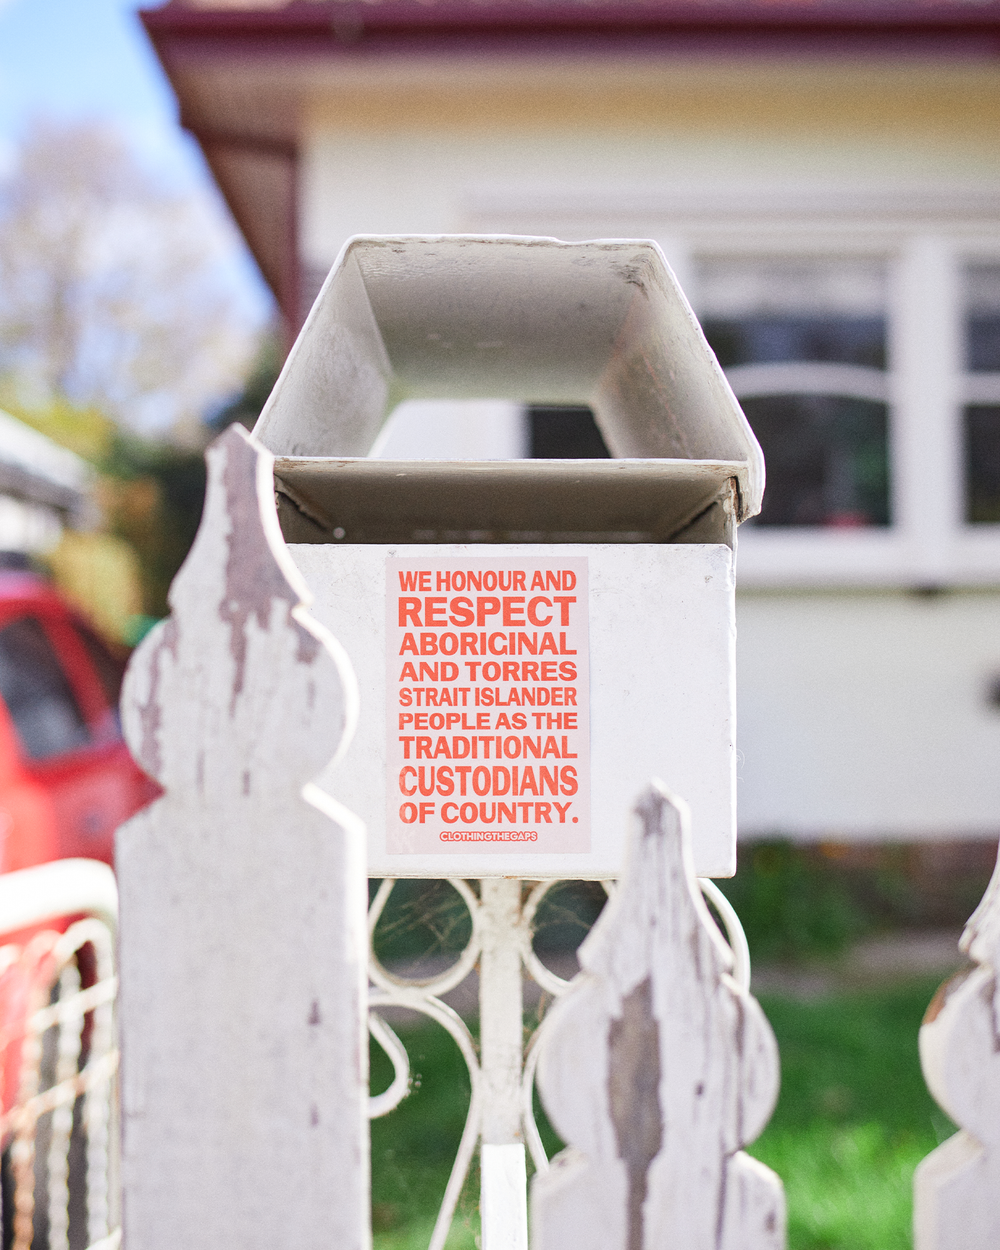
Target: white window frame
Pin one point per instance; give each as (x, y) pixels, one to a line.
(929, 543)
(925, 233)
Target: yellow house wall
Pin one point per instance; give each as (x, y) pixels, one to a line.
(419, 147)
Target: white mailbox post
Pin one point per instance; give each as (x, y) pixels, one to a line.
(533, 640)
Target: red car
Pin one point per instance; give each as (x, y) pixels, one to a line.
(66, 782)
(66, 777)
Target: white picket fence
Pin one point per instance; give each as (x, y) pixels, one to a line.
(249, 984)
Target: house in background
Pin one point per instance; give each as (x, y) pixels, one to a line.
(824, 179)
(49, 514)
(44, 489)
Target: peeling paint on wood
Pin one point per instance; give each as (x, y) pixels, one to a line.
(634, 1096)
(957, 1187)
(243, 891)
(254, 579)
(657, 1068)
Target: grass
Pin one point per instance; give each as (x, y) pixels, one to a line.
(854, 1116)
(853, 1120)
(413, 1147)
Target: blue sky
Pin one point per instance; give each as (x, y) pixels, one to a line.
(83, 59)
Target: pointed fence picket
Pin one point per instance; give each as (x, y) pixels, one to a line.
(243, 937)
(656, 1068)
(957, 1187)
(243, 959)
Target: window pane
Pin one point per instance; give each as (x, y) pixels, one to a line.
(982, 318)
(565, 433)
(826, 453)
(37, 693)
(766, 310)
(772, 339)
(982, 463)
(827, 460)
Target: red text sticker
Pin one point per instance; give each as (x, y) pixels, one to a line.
(488, 704)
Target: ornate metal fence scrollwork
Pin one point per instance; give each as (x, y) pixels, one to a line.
(59, 1059)
(423, 995)
(243, 1004)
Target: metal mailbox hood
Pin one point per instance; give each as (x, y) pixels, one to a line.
(602, 323)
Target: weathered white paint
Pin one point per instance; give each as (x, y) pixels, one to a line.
(243, 905)
(956, 1189)
(504, 1197)
(501, 1030)
(657, 1068)
(460, 316)
(501, 1039)
(662, 682)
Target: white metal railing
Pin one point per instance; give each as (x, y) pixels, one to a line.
(60, 1057)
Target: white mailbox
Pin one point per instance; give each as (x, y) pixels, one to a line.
(533, 639)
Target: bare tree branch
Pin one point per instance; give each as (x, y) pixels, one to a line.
(115, 291)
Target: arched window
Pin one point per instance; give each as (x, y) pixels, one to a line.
(803, 343)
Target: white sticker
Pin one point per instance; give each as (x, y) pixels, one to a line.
(488, 705)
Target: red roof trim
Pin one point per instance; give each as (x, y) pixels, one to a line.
(345, 27)
(898, 16)
(363, 29)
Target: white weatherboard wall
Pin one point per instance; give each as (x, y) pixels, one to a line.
(453, 429)
(866, 715)
(661, 665)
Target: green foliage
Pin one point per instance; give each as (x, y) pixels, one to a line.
(427, 920)
(423, 920)
(792, 906)
(851, 1058)
(84, 430)
(154, 500)
(848, 1187)
(151, 493)
(566, 914)
(797, 901)
(414, 1146)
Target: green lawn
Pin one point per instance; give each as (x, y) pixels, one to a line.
(853, 1120)
(854, 1117)
(413, 1147)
